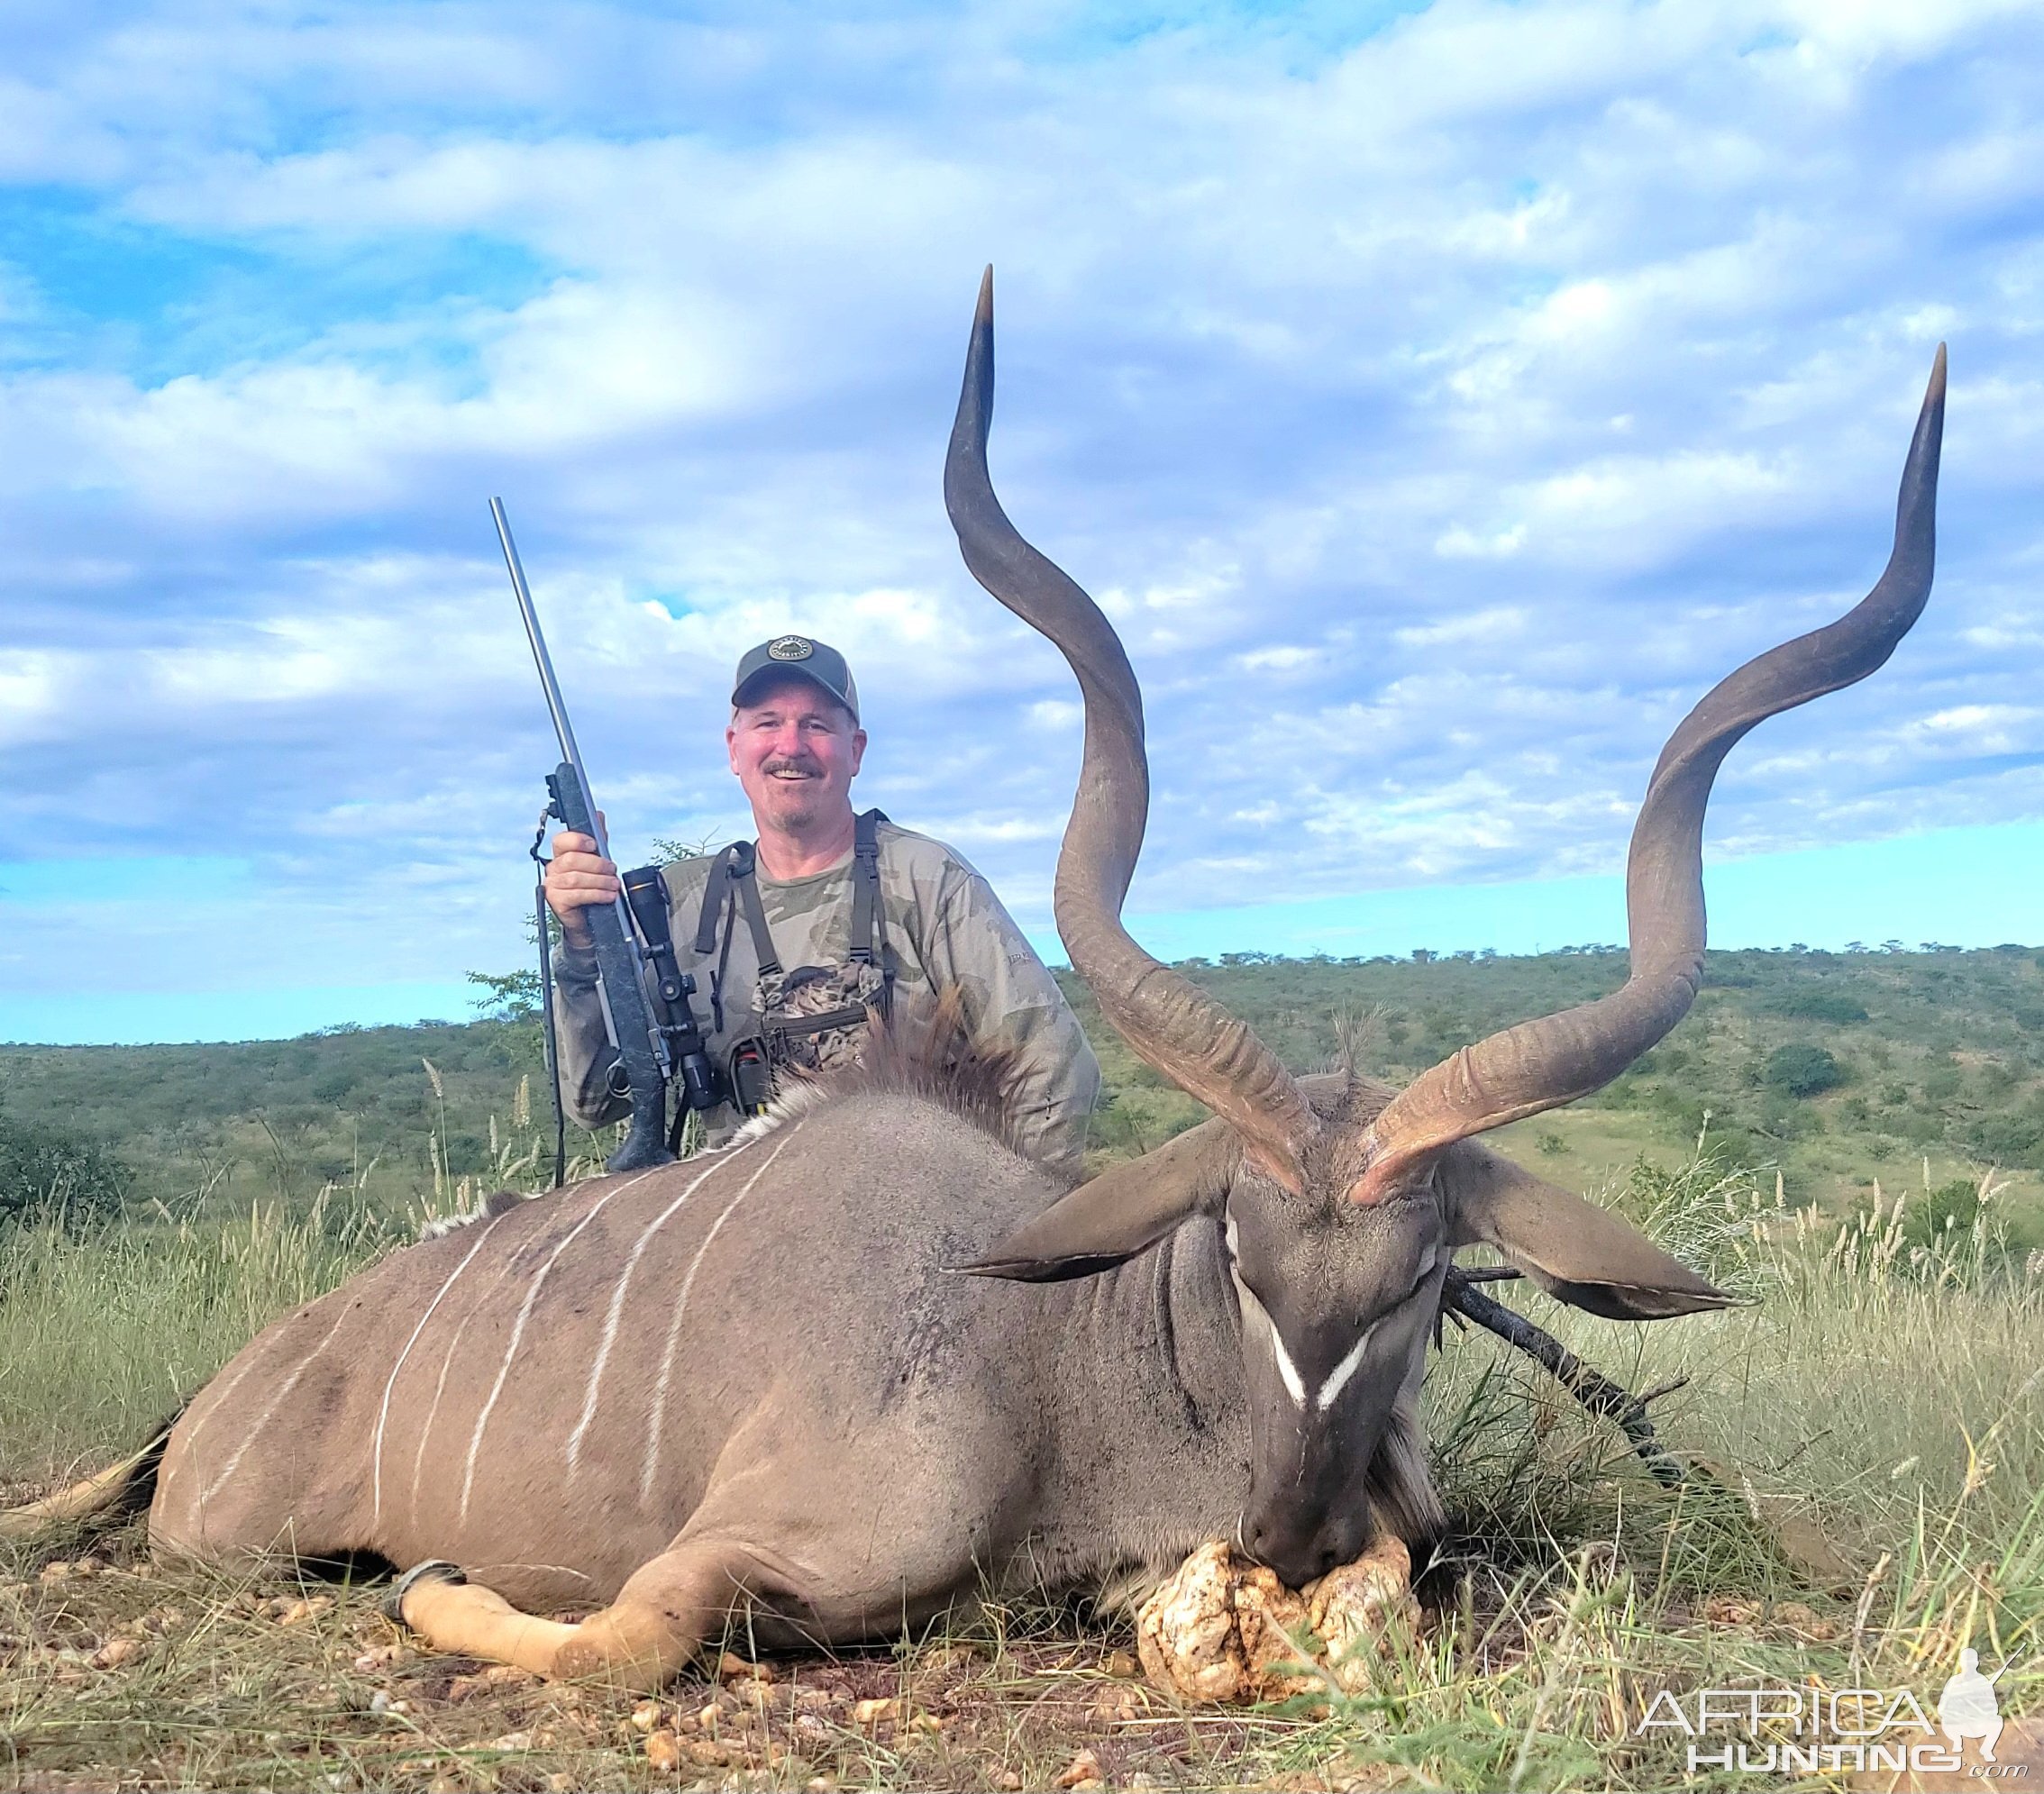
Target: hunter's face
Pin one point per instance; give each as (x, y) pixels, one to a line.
(795, 751)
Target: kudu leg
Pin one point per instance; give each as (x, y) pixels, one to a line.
(643, 1639)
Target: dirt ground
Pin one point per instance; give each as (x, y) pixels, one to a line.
(116, 1672)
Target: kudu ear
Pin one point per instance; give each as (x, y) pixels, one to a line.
(1582, 1255)
(1126, 1210)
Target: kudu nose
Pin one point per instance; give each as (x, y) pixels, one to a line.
(1295, 1561)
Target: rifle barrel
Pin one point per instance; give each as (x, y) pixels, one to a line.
(556, 706)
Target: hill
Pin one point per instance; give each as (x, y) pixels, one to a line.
(1837, 1068)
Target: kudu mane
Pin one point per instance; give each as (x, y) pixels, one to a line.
(921, 1051)
(927, 1053)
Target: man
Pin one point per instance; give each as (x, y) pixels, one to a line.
(829, 917)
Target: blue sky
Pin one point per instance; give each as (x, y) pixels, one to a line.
(1439, 399)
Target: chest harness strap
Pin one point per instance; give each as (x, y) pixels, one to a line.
(734, 885)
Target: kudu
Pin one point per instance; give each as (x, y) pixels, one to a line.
(754, 1380)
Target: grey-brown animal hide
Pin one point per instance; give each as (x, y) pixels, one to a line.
(769, 1340)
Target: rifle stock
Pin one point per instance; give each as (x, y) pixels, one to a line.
(617, 970)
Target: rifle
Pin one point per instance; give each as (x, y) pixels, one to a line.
(644, 1053)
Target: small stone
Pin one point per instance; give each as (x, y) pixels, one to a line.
(512, 1741)
(116, 1652)
(560, 1781)
(1122, 1666)
(872, 1712)
(926, 1722)
(1117, 1708)
(663, 1751)
(820, 1784)
(646, 1716)
(1009, 1780)
(52, 1574)
(295, 1612)
(1082, 1771)
(708, 1717)
(730, 1667)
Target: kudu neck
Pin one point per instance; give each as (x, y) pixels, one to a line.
(1159, 1342)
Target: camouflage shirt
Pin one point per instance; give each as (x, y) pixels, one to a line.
(944, 925)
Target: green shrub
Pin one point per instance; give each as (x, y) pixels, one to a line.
(1816, 1006)
(1952, 1207)
(1941, 1083)
(2011, 1138)
(1802, 1071)
(49, 1175)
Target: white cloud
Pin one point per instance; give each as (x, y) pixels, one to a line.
(1436, 415)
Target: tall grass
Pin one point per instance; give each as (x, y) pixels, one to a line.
(103, 1333)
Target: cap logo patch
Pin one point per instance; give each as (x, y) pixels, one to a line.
(790, 648)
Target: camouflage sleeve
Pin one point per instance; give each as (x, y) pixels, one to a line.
(581, 1041)
(1009, 995)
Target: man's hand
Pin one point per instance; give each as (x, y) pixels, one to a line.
(578, 876)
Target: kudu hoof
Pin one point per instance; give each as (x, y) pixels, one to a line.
(434, 1570)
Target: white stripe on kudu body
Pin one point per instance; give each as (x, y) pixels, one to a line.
(674, 1326)
(440, 1385)
(383, 1411)
(219, 1397)
(610, 1321)
(276, 1401)
(519, 1328)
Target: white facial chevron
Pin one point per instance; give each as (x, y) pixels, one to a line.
(1324, 1397)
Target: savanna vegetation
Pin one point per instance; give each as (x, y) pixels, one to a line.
(1867, 1494)
(1835, 1069)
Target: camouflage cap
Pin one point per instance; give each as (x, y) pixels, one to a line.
(805, 658)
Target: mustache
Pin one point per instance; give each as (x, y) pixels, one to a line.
(803, 763)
